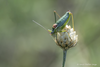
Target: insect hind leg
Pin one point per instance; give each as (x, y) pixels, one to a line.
(55, 15)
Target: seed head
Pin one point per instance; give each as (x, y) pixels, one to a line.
(66, 39)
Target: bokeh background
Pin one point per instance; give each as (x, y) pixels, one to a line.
(25, 44)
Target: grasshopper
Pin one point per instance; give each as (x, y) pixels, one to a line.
(61, 23)
(59, 26)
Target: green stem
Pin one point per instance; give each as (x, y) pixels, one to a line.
(64, 57)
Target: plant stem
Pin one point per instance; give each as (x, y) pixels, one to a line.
(64, 57)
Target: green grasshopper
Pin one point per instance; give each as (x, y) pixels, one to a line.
(59, 26)
(61, 23)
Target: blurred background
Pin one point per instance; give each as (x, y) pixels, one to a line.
(25, 44)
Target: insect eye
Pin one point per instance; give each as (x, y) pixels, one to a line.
(54, 25)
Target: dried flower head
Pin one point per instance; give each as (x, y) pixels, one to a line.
(66, 39)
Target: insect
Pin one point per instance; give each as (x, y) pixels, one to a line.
(59, 27)
(61, 23)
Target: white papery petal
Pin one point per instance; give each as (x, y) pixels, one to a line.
(66, 35)
(71, 30)
(67, 26)
(74, 32)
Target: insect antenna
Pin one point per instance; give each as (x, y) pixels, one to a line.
(39, 25)
(43, 28)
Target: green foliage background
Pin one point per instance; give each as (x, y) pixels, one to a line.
(25, 44)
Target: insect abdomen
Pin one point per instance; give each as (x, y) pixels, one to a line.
(63, 20)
